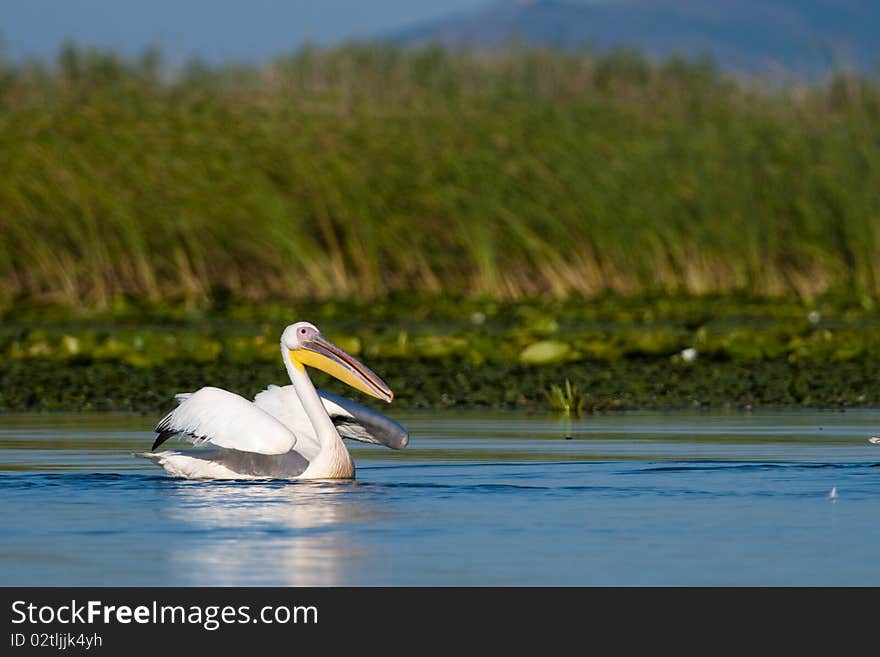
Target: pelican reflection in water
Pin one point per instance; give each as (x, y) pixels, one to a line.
(277, 535)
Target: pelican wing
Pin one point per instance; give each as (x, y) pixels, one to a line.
(226, 420)
(358, 422)
(352, 420)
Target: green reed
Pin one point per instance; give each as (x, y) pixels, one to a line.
(365, 171)
(566, 400)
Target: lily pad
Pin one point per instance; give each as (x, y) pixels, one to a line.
(545, 352)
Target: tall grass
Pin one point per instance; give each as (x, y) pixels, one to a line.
(366, 170)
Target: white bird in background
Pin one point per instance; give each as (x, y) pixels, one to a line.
(290, 432)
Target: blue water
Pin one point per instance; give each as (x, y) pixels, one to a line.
(633, 499)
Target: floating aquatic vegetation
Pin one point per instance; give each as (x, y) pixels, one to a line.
(545, 352)
(749, 354)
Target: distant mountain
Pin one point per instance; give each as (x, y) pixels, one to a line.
(801, 37)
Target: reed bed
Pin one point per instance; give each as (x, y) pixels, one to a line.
(366, 171)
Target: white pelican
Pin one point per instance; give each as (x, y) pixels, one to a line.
(286, 432)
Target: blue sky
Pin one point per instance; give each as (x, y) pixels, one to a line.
(215, 30)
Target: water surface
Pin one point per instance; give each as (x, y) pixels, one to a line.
(476, 499)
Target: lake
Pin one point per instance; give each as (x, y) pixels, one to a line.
(687, 499)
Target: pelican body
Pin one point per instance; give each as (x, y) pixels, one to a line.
(289, 432)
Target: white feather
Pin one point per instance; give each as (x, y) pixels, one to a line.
(284, 405)
(229, 464)
(228, 420)
(180, 464)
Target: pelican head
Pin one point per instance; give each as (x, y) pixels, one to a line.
(307, 347)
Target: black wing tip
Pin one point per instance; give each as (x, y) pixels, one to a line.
(164, 423)
(161, 438)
